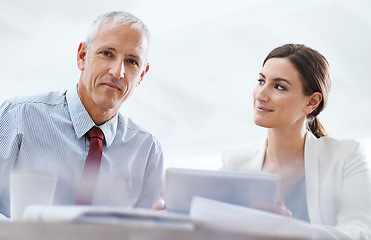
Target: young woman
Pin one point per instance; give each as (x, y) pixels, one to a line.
(324, 181)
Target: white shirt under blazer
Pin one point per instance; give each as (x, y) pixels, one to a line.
(338, 183)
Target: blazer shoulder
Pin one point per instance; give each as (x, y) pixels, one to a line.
(331, 143)
(239, 159)
(346, 151)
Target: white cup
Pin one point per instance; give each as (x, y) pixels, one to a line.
(29, 189)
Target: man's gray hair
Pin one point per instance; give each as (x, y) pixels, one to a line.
(121, 17)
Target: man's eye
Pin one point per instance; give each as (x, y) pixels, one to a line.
(106, 53)
(132, 61)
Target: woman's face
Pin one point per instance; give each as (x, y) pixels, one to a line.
(279, 101)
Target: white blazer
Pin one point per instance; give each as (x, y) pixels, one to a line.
(338, 183)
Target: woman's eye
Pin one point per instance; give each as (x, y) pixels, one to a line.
(279, 87)
(261, 81)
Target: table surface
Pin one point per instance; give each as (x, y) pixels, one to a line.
(93, 231)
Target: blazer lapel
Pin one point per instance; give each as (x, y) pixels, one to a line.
(311, 158)
(259, 161)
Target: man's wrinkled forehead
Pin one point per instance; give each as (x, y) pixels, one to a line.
(119, 35)
(132, 25)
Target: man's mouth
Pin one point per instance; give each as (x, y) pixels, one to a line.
(112, 85)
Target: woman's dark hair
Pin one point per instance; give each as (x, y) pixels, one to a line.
(314, 70)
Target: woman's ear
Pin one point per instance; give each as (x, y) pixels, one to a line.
(314, 100)
(82, 53)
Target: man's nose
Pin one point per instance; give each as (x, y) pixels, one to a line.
(118, 69)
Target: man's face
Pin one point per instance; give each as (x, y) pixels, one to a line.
(115, 65)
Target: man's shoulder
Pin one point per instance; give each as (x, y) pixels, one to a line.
(127, 123)
(47, 98)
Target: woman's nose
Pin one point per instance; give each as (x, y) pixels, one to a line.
(261, 93)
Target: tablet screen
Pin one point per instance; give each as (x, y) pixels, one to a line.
(240, 188)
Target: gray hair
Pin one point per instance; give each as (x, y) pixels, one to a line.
(121, 17)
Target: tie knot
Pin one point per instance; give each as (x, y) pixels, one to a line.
(95, 132)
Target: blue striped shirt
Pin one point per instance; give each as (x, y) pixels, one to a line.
(46, 134)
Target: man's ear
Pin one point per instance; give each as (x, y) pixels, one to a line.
(82, 54)
(314, 100)
(142, 74)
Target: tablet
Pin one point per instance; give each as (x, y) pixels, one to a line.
(240, 188)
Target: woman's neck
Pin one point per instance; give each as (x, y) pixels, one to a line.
(285, 145)
(285, 156)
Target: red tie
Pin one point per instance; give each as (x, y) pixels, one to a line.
(89, 176)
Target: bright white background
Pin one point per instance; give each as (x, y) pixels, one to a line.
(205, 59)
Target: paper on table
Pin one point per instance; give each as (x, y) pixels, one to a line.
(228, 217)
(108, 215)
(53, 213)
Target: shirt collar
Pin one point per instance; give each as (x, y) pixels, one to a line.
(82, 121)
